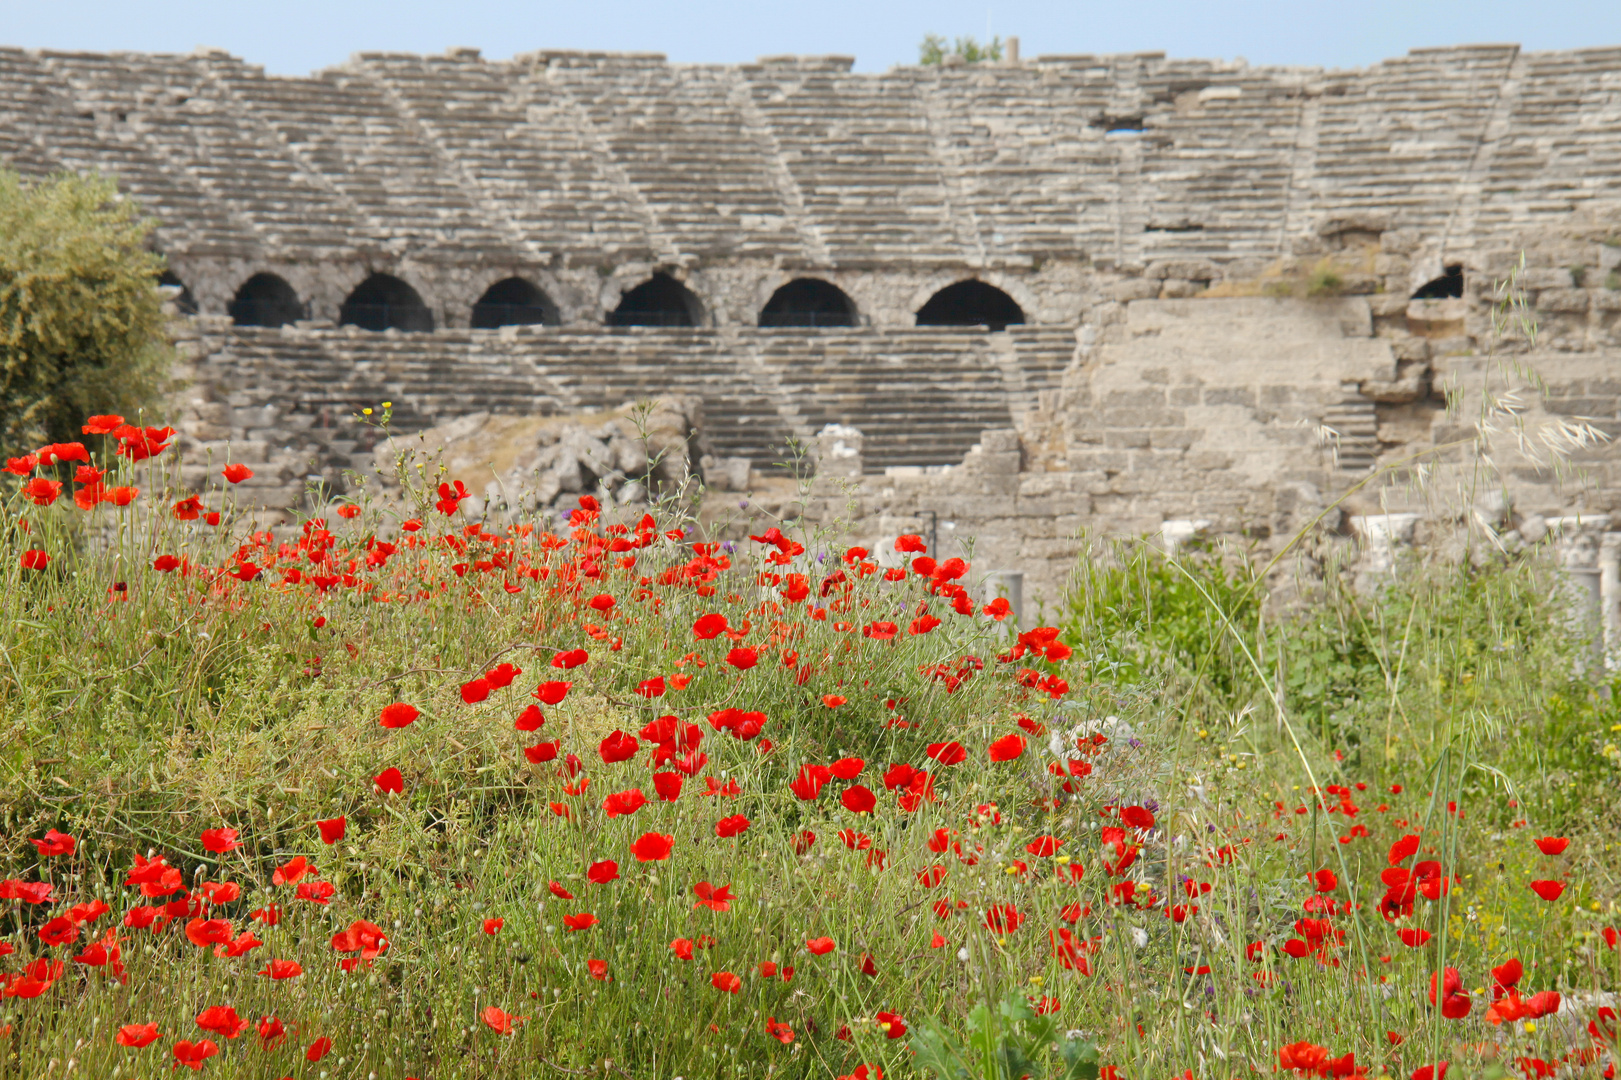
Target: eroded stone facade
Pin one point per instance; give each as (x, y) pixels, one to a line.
(1216, 265)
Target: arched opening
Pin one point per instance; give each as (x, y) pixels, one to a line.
(384, 302)
(808, 302)
(1448, 285)
(185, 301)
(661, 300)
(513, 302)
(265, 300)
(970, 303)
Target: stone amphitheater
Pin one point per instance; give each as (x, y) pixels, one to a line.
(1001, 304)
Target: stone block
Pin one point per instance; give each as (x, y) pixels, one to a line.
(1127, 439)
(1185, 395)
(1230, 395)
(1133, 289)
(1173, 438)
(1125, 399)
(1563, 300)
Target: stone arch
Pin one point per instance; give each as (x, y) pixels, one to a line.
(384, 302)
(513, 301)
(186, 302)
(265, 300)
(1448, 285)
(661, 300)
(970, 303)
(809, 302)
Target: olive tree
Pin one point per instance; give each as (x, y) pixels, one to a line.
(81, 321)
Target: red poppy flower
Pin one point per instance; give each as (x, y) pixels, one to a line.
(34, 559)
(475, 690)
(317, 891)
(318, 1049)
(59, 931)
(236, 473)
(709, 626)
(55, 843)
(1548, 890)
(651, 688)
(602, 872)
(193, 1054)
(136, 1035)
(390, 782)
(572, 658)
(1323, 880)
(624, 803)
(821, 946)
(42, 492)
(165, 564)
(809, 781)
(332, 829)
(947, 753)
(499, 1021)
(781, 1032)
(598, 969)
(559, 892)
(617, 747)
(728, 827)
(804, 841)
(1043, 846)
(102, 425)
(583, 921)
(726, 982)
(272, 1032)
(847, 768)
(891, 1024)
(1137, 817)
(541, 752)
(1552, 845)
(833, 701)
(1403, 849)
(1007, 748)
(742, 658)
(531, 719)
(552, 693)
(222, 1020)
(397, 715)
(203, 932)
(682, 947)
(493, 927)
(1003, 918)
(668, 785)
(220, 841)
(858, 799)
(712, 898)
(282, 969)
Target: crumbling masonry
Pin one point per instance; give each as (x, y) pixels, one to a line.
(1181, 274)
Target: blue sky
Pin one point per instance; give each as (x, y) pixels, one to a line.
(297, 36)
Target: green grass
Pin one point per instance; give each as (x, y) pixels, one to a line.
(136, 718)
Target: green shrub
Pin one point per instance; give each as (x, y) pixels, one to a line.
(81, 325)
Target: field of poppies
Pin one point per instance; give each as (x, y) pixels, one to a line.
(406, 794)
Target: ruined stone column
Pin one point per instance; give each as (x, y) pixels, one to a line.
(1577, 543)
(1609, 564)
(838, 451)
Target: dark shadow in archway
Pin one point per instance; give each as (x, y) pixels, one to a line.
(185, 301)
(661, 300)
(513, 302)
(808, 302)
(1449, 285)
(265, 300)
(384, 302)
(970, 303)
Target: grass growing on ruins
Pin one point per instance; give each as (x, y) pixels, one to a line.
(411, 795)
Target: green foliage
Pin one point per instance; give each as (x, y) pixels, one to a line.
(1324, 281)
(81, 325)
(934, 50)
(1011, 1042)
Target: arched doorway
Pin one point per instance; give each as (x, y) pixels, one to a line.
(384, 302)
(808, 302)
(661, 300)
(1448, 286)
(513, 302)
(265, 300)
(970, 303)
(185, 301)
